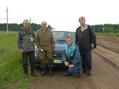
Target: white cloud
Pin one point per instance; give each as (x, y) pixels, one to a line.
(61, 14)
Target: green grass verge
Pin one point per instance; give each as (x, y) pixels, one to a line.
(11, 72)
(23, 84)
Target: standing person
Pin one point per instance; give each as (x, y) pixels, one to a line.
(86, 39)
(45, 44)
(26, 40)
(72, 59)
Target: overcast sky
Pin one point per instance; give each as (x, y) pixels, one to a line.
(61, 14)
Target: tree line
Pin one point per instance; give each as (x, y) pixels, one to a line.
(105, 28)
(16, 27)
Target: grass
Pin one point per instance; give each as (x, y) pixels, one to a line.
(23, 84)
(11, 72)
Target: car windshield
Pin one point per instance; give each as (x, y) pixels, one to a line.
(61, 35)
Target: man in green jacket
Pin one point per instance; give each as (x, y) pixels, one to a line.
(45, 44)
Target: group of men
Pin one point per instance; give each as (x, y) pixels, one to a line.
(77, 56)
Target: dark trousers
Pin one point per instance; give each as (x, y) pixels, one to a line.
(76, 69)
(86, 56)
(28, 57)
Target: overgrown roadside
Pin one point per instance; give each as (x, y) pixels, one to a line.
(11, 74)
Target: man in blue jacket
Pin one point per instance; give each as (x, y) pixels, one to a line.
(26, 42)
(72, 59)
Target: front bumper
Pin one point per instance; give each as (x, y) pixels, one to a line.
(57, 58)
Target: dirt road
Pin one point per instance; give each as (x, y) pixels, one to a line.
(105, 71)
(109, 42)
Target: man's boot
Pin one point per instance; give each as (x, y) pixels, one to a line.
(50, 72)
(89, 72)
(43, 72)
(84, 70)
(33, 73)
(25, 75)
(80, 74)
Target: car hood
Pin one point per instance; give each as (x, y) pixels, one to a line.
(59, 47)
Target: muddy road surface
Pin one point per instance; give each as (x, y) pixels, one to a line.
(105, 75)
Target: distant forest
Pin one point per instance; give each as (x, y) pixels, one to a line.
(97, 28)
(16, 27)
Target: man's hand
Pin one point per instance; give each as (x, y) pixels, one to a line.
(41, 50)
(70, 66)
(21, 50)
(93, 45)
(66, 63)
(78, 41)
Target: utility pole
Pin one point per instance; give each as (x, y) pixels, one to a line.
(7, 20)
(30, 23)
(30, 20)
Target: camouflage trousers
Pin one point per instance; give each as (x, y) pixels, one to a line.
(46, 59)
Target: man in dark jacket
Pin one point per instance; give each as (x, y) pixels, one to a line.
(86, 39)
(26, 40)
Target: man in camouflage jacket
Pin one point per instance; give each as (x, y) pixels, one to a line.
(45, 44)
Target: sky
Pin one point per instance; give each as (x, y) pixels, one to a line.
(61, 14)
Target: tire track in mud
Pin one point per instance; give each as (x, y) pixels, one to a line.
(106, 58)
(108, 61)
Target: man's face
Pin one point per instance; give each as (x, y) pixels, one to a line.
(82, 21)
(26, 24)
(43, 25)
(69, 41)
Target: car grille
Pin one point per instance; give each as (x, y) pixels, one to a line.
(57, 55)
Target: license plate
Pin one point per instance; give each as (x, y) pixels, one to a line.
(57, 61)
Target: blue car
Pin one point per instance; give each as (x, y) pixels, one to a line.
(60, 44)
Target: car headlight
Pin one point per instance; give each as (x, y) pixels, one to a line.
(54, 55)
